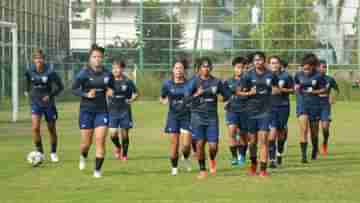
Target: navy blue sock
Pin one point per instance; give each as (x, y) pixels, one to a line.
(234, 153)
(98, 163)
(326, 135)
(125, 144)
(115, 140)
(303, 147)
(174, 162)
(202, 165)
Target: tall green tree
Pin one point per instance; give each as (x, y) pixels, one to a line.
(242, 26)
(283, 23)
(162, 33)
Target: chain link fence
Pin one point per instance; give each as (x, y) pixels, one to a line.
(150, 35)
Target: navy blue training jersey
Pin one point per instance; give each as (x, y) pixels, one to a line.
(236, 103)
(285, 80)
(42, 84)
(308, 83)
(260, 104)
(175, 92)
(205, 105)
(122, 91)
(88, 79)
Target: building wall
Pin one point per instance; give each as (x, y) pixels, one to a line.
(41, 24)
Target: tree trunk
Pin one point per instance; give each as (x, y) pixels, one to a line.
(93, 22)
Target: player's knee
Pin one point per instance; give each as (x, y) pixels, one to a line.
(253, 140)
(174, 154)
(174, 144)
(100, 140)
(263, 140)
(213, 147)
(36, 128)
(125, 137)
(52, 130)
(85, 146)
(325, 126)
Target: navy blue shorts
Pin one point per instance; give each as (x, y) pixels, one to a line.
(238, 119)
(210, 132)
(121, 120)
(312, 112)
(50, 112)
(205, 127)
(174, 125)
(325, 112)
(259, 123)
(279, 117)
(91, 120)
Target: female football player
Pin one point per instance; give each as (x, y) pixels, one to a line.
(124, 93)
(236, 116)
(203, 90)
(280, 111)
(259, 85)
(178, 117)
(326, 100)
(91, 84)
(40, 81)
(309, 85)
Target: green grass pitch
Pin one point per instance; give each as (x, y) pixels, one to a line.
(146, 176)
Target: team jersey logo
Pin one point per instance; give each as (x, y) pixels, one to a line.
(172, 90)
(309, 89)
(281, 83)
(214, 89)
(44, 79)
(313, 82)
(106, 80)
(123, 87)
(268, 81)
